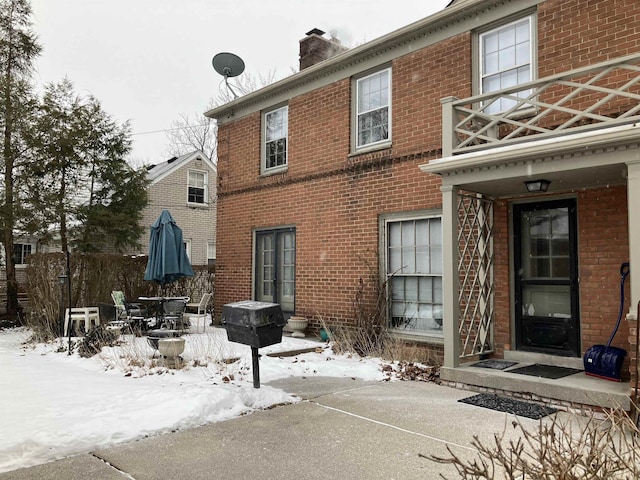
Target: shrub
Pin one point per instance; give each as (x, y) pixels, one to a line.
(95, 339)
(569, 447)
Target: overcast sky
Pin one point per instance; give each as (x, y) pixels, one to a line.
(149, 61)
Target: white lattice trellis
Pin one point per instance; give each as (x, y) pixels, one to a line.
(475, 269)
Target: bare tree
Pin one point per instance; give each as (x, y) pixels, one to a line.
(197, 132)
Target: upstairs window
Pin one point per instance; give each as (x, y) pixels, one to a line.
(197, 187)
(373, 109)
(506, 60)
(276, 126)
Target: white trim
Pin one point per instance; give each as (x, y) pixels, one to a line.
(263, 141)
(432, 335)
(356, 113)
(181, 161)
(187, 246)
(460, 17)
(205, 201)
(534, 149)
(532, 49)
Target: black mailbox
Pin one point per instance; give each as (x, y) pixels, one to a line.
(257, 324)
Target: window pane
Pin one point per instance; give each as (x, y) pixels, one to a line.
(437, 290)
(522, 53)
(507, 58)
(509, 79)
(408, 260)
(422, 260)
(373, 108)
(415, 295)
(436, 259)
(196, 195)
(395, 237)
(560, 221)
(426, 289)
(435, 227)
(422, 232)
(506, 61)
(522, 31)
(490, 43)
(276, 129)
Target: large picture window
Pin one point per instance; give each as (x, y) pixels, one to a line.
(276, 126)
(506, 60)
(414, 274)
(373, 108)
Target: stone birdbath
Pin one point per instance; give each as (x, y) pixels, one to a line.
(170, 349)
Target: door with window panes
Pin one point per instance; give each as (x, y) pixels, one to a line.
(276, 268)
(546, 278)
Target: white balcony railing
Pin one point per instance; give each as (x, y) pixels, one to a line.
(595, 97)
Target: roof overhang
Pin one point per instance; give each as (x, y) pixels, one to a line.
(458, 17)
(581, 160)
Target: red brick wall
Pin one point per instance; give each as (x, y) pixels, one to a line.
(334, 200)
(603, 236)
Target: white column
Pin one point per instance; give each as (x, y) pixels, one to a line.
(633, 213)
(451, 307)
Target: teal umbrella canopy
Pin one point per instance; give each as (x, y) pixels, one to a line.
(168, 259)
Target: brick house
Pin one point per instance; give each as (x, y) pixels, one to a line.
(408, 157)
(186, 186)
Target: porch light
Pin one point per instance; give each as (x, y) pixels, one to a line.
(537, 185)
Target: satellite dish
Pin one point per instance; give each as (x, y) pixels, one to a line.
(228, 65)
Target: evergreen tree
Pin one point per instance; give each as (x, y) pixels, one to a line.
(87, 192)
(18, 50)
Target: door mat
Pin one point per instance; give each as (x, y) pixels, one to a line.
(494, 364)
(545, 371)
(509, 405)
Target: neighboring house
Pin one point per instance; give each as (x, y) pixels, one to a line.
(408, 156)
(22, 248)
(186, 187)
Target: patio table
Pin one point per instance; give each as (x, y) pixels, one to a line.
(160, 302)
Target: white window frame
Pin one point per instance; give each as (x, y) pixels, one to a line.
(211, 253)
(187, 246)
(204, 187)
(359, 84)
(505, 104)
(23, 256)
(425, 326)
(266, 116)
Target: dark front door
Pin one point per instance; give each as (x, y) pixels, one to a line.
(546, 281)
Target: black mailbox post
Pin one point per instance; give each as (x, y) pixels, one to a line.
(257, 324)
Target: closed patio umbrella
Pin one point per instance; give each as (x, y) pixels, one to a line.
(168, 259)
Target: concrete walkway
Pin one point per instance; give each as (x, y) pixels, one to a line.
(343, 428)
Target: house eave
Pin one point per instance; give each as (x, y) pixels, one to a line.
(450, 21)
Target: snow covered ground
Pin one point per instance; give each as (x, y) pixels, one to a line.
(53, 405)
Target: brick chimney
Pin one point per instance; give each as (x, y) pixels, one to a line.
(315, 48)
